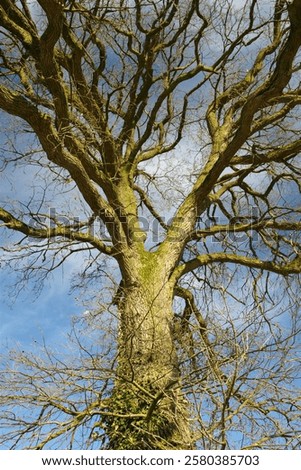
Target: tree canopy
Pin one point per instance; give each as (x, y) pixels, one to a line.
(162, 144)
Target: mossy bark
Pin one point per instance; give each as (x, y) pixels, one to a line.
(149, 409)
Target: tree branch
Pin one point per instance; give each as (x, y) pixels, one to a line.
(63, 231)
(292, 267)
(282, 225)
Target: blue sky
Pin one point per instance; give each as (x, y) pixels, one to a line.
(27, 318)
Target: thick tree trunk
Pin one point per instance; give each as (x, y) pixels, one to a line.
(152, 414)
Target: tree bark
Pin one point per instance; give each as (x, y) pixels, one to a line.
(152, 414)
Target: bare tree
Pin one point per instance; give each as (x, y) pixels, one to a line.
(165, 137)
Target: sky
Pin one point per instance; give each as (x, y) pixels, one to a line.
(28, 318)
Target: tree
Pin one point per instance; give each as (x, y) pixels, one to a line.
(164, 141)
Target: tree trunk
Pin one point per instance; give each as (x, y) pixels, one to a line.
(150, 411)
